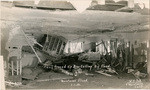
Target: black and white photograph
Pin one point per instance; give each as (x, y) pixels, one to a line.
(74, 44)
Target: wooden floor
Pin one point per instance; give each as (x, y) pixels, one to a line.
(98, 81)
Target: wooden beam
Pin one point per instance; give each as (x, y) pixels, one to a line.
(31, 45)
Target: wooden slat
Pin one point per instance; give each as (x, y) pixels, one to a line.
(69, 47)
(54, 43)
(104, 46)
(50, 42)
(58, 50)
(57, 44)
(130, 54)
(12, 68)
(20, 67)
(17, 67)
(45, 44)
(61, 47)
(126, 57)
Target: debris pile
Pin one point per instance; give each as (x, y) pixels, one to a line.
(53, 61)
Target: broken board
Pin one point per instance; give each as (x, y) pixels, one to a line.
(48, 76)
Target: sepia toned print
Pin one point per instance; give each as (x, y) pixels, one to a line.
(75, 44)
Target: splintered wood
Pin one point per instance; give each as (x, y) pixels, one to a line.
(52, 76)
(101, 72)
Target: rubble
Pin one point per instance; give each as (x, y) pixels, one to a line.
(90, 56)
(137, 73)
(44, 48)
(26, 71)
(31, 73)
(77, 71)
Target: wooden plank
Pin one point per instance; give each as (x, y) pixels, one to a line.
(53, 79)
(132, 51)
(69, 49)
(61, 47)
(57, 44)
(45, 44)
(104, 46)
(12, 68)
(115, 44)
(54, 43)
(17, 67)
(130, 54)
(20, 67)
(126, 56)
(101, 72)
(50, 42)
